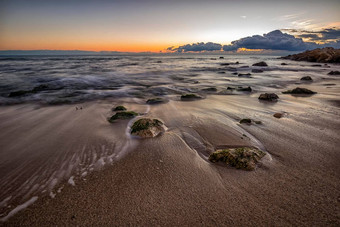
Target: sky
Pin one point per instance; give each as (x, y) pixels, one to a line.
(156, 25)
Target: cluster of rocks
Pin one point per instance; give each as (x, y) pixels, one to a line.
(324, 55)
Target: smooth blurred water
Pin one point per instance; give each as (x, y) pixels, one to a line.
(70, 79)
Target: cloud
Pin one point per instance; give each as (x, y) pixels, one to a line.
(197, 47)
(275, 40)
(327, 35)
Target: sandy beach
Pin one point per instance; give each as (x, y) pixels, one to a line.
(167, 180)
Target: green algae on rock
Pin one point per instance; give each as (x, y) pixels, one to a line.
(146, 127)
(123, 115)
(244, 158)
(119, 108)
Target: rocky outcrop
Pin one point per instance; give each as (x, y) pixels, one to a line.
(244, 158)
(324, 55)
(299, 90)
(268, 97)
(147, 128)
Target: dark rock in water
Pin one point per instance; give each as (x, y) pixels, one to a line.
(221, 72)
(230, 88)
(190, 97)
(244, 158)
(159, 62)
(119, 108)
(334, 73)
(284, 63)
(147, 128)
(156, 101)
(299, 90)
(235, 73)
(123, 115)
(224, 64)
(278, 115)
(269, 97)
(258, 122)
(324, 55)
(237, 63)
(213, 59)
(19, 93)
(257, 71)
(262, 63)
(210, 89)
(245, 121)
(316, 65)
(244, 75)
(221, 57)
(244, 89)
(307, 78)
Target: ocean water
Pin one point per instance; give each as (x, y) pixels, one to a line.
(72, 79)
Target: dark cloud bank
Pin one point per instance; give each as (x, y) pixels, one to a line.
(275, 40)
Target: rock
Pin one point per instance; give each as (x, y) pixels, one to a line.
(235, 73)
(244, 89)
(334, 73)
(245, 121)
(158, 100)
(269, 97)
(316, 65)
(147, 128)
(119, 108)
(258, 122)
(257, 71)
(324, 55)
(262, 63)
(159, 62)
(19, 93)
(213, 59)
(307, 78)
(299, 90)
(190, 97)
(221, 57)
(230, 88)
(244, 75)
(221, 72)
(237, 63)
(244, 158)
(224, 64)
(122, 115)
(284, 63)
(278, 115)
(210, 89)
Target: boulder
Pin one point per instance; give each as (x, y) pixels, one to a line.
(119, 108)
(268, 97)
(278, 115)
(262, 63)
(190, 97)
(245, 121)
(244, 158)
(147, 128)
(334, 73)
(306, 78)
(299, 90)
(122, 115)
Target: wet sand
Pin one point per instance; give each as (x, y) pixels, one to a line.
(167, 180)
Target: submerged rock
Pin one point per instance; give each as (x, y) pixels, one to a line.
(299, 90)
(334, 73)
(190, 97)
(278, 115)
(269, 97)
(123, 115)
(243, 89)
(257, 71)
(324, 55)
(245, 121)
(244, 75)
(307, 78)
(262, 63)
(119, 108)
(244, 158)
(158, 100)
(147, 128)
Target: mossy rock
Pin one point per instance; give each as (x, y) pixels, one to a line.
(299, 90)
(268, 97)
(123, 115)
(119, 108)
(244, 158)
(146, 127)
(190, 97)
(245, 121)
(154, 101)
